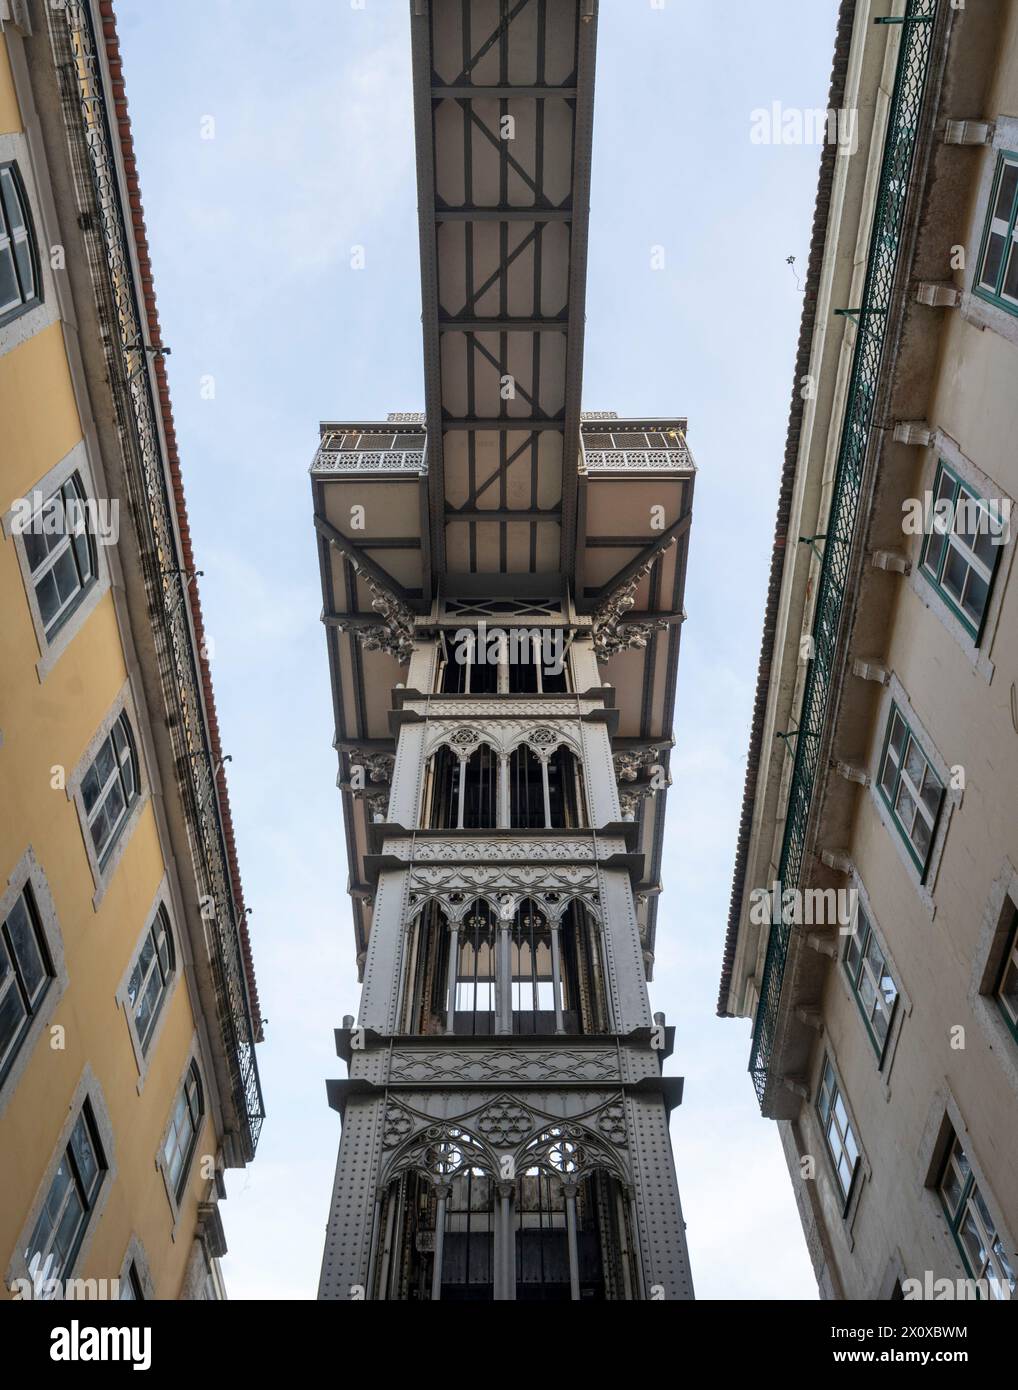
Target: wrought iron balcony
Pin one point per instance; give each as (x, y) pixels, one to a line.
(609, 445)
(678, 460)
(886, 236)
(354, 451)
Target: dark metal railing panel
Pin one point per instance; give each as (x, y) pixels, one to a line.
(125, 341)
(882, 264)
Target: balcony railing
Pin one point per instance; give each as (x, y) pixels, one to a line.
(638, 460)
(355, 461)
(885, 240)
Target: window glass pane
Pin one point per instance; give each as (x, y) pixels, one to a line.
(67, 1233)
(915, 764)
(867, 991)
(976, 593)
(104, 763)
(165, 945)
(10, 294)
(897, 733)
(12, 1012)
(931, 791)
(100, 830)
(905, 806)
(934, 551)
(1008, 992)
(890, 772)
(1004, 205)
(114, 804)
(23, 255)
(888, 990)
(982, 1209)
(84, 1154)
(35, 546)
(23, 938)
(972, 1242)
(47, 598)
(1010, 285)
(921, 838)
(950, 1188)
(955, 570)
(992, 260)
(1003, 1261)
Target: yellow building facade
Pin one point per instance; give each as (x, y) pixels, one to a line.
(128, 1009)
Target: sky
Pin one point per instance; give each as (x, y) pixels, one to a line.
(271, 140)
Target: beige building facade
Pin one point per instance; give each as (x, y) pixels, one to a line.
(128, 1005)
(883, 764)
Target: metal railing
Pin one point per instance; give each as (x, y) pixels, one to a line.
(369, 461)
(888, 222)
(88, 124)
(638, 460)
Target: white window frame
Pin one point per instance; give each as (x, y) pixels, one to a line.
(18, 148)
(122, 778)
(52, 646)
(88, 1089)
(144, 1051)
(104, 868)
(184, 1179)
(28, 873)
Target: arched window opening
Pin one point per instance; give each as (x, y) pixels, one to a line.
(440, 809)
(532, 986)
(478, 975)
(480, 790)
(573, 1238)
(545, 795)
(473, 990)
(565, 789)
(584, 999)
(427, 954)
(461, 795)
(438, 1230)
(527, 782)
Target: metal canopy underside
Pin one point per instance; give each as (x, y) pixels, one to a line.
(503, 105)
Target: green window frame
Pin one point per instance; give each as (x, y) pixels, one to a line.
(961, 563)
(996, 278)
(1006, 992)
(980, 1244)
(910, 789)
(872, 982)
(839, 1136)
